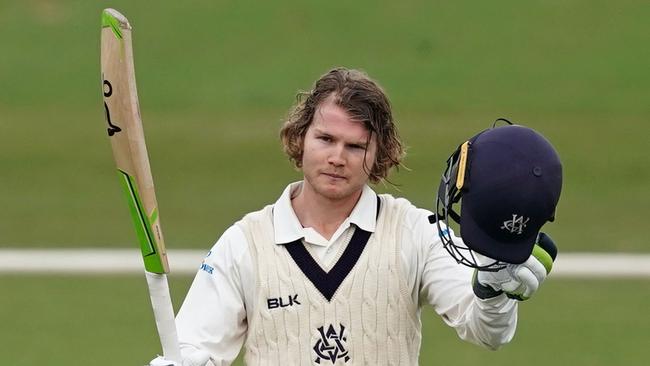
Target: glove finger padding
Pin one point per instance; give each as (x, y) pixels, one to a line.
(519, 281)
(532, 266)
(528, 284)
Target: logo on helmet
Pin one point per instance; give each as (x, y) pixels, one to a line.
(516, 225)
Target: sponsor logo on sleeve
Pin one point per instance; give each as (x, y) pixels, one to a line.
(207, 268)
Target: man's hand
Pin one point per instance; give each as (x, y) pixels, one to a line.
(518, 281)
(197, 358)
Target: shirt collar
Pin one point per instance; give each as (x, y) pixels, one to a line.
(364, 214)
(288, 227)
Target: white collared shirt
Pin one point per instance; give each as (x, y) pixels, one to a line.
(289, 229)
(222, 297)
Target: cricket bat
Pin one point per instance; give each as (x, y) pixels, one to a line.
(125, 131)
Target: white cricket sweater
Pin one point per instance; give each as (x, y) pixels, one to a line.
(359, 312)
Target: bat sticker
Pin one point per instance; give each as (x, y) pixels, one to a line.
(112, 129)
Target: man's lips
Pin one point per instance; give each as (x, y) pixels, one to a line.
(334, 176)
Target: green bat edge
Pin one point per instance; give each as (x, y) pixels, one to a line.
(142, 223)
(108, 20)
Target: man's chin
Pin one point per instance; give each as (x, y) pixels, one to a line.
(336, 190)
(336, 193)
(333, 194)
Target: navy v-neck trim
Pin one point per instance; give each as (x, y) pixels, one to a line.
(328, 282)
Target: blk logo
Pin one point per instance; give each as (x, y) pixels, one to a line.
(331, 345)
(516, 225)
(279, 302)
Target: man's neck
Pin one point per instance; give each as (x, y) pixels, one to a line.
(320, 213)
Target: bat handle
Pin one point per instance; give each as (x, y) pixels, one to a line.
(164, 315)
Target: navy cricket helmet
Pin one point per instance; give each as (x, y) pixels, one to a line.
(508, 181)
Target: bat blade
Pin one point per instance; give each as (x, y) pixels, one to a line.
(125, 130)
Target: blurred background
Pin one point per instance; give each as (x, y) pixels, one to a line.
(215, 81)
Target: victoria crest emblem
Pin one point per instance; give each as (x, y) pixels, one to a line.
(331, 345)
(516, 225)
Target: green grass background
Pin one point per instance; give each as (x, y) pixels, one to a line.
(106, 321)
(216, 79)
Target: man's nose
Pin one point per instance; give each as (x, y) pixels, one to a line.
(337, 155)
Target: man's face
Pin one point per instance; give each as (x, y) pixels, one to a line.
(336, 150)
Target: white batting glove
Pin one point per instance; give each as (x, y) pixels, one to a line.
(162, 361)
(517, 281)
(196, 358)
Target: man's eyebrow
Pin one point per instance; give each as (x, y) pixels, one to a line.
(364, 143)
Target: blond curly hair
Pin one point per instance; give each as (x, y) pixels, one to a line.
(364, 100)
